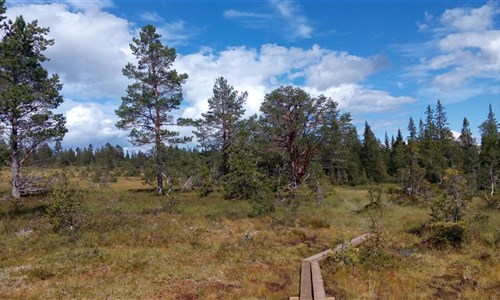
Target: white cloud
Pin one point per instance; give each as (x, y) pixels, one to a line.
(337, 68)
(286, 15)
(470, 19)
(91, 123)
(151, 17)
(355, 98)
(317, 70)
(465, 53)
(91, 47)
(232, 13)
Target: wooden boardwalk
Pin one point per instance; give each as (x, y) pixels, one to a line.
(311, 280)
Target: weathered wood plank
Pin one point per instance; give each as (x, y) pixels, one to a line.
(311, 280)
(353, 243)
(317, 281)
(305, 281)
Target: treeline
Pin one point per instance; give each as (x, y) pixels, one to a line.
(299, 140)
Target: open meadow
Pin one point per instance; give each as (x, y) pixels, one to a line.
(132, 244)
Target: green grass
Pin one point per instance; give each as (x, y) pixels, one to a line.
(128, 247)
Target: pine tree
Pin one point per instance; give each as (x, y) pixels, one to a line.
(2, 10)
(245, 180)
(156, 91)
(293, 120)
(225, 109)
(443, 132)
(27, 93)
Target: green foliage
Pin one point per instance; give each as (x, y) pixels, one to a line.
(372, 156)
(217, 130)
(66, 209)
(27, 93)
(155, 92)
(441, 209)
(204, 182)
(292, 119)
(489, 156)
(442, 234)
(100, 177)
(263, 203)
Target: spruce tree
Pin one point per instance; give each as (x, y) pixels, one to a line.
(351, 156)
(469, 153)
(412, 129)
(489, 156)
(372, 156)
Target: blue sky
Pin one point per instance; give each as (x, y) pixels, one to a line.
(383, 61)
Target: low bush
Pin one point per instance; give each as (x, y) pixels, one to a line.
(65, 210)
(442, 234)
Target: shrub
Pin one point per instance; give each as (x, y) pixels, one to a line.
(442, 234)
(262, 205)
(65, 210)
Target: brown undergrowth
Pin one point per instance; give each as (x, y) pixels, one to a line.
(129, 246)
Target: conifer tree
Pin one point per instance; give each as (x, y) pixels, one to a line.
(489, 156)
(372, 156)
(412, 129)
(225, 109)
(351, 162)
(293, 120)
(469, 153)
(154, 94)
(27, 93)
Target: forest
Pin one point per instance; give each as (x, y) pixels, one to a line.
(229, 212)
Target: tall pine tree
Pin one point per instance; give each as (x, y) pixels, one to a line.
(27, 93)
(154, 94)
(225, 109)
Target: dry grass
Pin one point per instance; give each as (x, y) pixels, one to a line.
(128, 247)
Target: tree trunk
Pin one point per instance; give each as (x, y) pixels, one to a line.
(159, 177)
(159, 166)
(16, 167)
(492, 180)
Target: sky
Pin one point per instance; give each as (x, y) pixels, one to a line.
(382, 61)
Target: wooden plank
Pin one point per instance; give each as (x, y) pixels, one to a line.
(353, 243)
(305, 281)
(311, 280)
(317, 281)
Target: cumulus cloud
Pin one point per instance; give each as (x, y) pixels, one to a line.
(355, 98)
(465, 51)
(91, 123)
(91, 46)
(259, 71)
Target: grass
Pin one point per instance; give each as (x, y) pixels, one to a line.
(128, 247)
